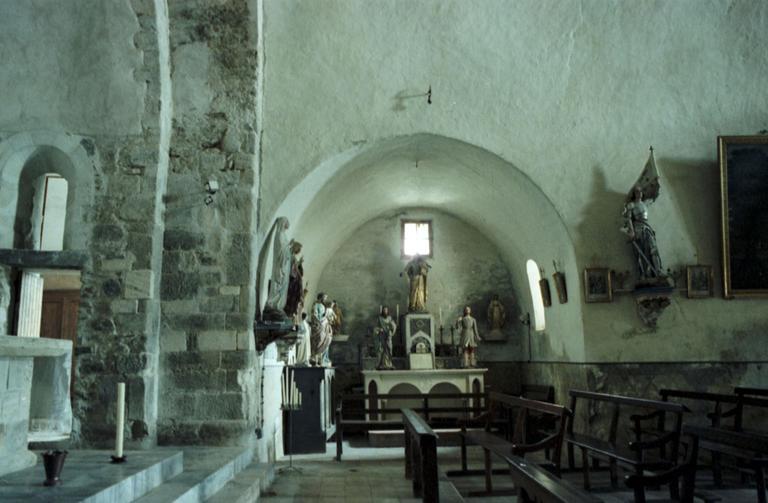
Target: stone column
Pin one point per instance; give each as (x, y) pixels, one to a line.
(30, 305)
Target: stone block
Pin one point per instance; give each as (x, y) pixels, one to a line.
(219, 406)
(233, 381)
(130, 323)
(200, 322)
(217, 340)
(237, 359)
(229, 290)
(177, 404)
(197, 380)
(131, 364)
(178, 433)
(224, 432)
(181, 240)
(192, 360)
(171, 340)
(179, 286)
(179, 306)
(220, 304)
(125, 306)
(138, 284)
(238, 321)
(106, 232)
(245, 341)
(116, 264)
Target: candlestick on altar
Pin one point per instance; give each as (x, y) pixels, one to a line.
(119, 457)
(440, 312)
(398, 313)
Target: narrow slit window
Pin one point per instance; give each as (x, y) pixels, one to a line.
(538, 304)
(417, 238)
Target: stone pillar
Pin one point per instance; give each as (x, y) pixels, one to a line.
(30, 305)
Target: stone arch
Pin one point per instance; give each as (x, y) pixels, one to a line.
(25, 156)
(446, 174)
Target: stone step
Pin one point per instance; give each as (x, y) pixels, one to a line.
(89, 476)
(206, 471)
(247, 486)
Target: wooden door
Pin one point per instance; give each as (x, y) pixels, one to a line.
(59, 320)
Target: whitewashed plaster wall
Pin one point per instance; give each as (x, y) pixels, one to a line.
(571, 93)
(467, 269)
(70, 66)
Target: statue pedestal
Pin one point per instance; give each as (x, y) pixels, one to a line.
(651, 301)
(420, 340)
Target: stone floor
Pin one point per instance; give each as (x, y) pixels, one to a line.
(376, 475)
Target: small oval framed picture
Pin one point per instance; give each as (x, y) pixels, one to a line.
(699, 280)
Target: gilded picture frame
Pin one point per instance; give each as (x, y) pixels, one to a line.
(744, 214)
(699, 280)
(597, 285)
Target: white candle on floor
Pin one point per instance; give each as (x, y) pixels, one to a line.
(120, 420)
(284, 387)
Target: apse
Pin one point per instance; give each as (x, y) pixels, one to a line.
(446, 176)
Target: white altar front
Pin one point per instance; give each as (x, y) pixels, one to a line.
(429, 381)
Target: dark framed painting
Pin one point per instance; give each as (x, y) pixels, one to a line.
(699, 280)
(744, 205)
(597, 285)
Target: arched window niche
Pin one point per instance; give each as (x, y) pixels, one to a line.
(46, 201)
(539, 323)
(25, 159)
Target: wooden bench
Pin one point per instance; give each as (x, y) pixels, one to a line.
(518, 445)
(724, 411)
(421, 461)
(633, 454)
(371, 416)
(750, 391)
(752, 449)
(534, 483)
(685, 471)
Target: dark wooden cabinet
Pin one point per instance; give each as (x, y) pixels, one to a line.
(307, 429)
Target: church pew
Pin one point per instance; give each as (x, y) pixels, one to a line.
(750, 448)
(372, 417)
(633, 454)
(421, 461)
(725, 411)
(520, 442)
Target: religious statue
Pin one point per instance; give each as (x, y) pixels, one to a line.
(636, 226)
(321, 332)
(497, 315)
(303, 344)
(468, 338)
(295, 281)
(281, 271)
(385, 331)
(337, 318)
(417, 270)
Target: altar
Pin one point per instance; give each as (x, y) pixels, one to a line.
(427, 381)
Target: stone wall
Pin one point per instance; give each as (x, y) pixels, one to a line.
(209, 382)
(118, 112)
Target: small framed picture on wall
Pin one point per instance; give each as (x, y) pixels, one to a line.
(700, 280)
(597, 285)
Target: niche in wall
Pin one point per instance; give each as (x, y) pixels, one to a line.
(44, 200)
